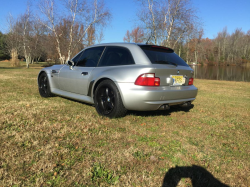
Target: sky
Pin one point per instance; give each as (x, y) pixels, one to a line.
(214, 15)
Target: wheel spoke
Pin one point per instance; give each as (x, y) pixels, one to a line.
(105, 106)
(107, 92)
(112, 97)
(106, 99)
(110, 105)
(43, 84)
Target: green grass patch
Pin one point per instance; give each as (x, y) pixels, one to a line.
(60, 142)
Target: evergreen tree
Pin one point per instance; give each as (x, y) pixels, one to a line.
(3, 51)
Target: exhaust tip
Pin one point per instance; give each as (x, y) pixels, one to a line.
(164, 107)
(187, 104)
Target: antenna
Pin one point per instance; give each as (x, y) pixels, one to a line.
(149, 37)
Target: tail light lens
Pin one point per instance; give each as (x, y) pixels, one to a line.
(147, 79)
(191, 81)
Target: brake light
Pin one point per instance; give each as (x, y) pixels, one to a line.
(191, 81)
(147, 79)
(163, 48)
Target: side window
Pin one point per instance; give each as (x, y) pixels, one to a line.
(116, 56)
(89, 57)
(75, 60)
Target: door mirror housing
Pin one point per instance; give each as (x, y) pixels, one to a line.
(70, 63)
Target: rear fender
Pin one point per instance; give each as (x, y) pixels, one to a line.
(93, 85)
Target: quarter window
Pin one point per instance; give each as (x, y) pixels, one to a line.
(116, 56)
(89, 57)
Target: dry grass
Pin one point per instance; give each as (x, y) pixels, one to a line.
(59, 142)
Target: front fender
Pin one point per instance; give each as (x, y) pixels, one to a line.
(47, 70)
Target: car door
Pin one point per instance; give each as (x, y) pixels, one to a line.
(75, 78)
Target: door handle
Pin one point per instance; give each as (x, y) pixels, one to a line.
(85, 73)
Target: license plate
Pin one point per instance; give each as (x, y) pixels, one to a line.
(178, 79)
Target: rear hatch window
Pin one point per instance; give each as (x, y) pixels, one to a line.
(162, 55)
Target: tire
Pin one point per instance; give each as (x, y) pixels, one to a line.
(43, 85)
(108, 100)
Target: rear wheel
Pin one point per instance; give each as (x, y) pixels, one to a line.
(108, 100)
(43, 85)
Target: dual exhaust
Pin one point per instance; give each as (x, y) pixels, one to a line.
(167, 107)
(164, 107)
(187, 104)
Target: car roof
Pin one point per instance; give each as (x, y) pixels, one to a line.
(117, 44)
(125, 44)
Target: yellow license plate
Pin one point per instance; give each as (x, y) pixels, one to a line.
(178, 79)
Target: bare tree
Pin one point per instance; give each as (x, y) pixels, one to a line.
(136, 35)
(26, 28)
(197, 42)
(39, 38)
(149, 17)
(178, 18)
(232, 48)
(126, 38)
(247, 47)
(24, 37)
(31, 33)
(224, 49)
(90, 36)
(13, 44)
(153, 18)
(222, 37)
(167, 20)
(80, 12)
(63, 32)
(99, 36)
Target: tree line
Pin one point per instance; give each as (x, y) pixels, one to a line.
(175, 24)
(59, 32)
(65, 27)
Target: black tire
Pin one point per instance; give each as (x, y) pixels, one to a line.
(108, 100)
(43, 85)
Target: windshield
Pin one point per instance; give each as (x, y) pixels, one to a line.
(162, 55)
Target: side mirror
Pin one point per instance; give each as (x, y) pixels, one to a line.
(70, 63)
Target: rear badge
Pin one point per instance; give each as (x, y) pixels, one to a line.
(178, 72)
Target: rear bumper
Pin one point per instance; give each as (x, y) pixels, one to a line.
(143, 98)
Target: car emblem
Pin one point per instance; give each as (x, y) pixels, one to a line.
(178, 72)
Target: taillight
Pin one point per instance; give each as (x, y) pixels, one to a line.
(191, 81)
(147, 79)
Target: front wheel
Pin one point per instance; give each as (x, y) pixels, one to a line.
(108, 100)
(43, 85)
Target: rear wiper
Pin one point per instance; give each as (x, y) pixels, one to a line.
(166, 62)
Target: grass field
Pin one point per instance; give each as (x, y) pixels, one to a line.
(60, 142)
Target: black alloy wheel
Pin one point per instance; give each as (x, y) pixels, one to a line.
(106, 98)
(108, 101)
(43, 84)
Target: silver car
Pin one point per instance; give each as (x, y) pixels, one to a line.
(117, 77)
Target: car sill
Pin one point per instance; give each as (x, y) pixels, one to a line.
(73, 96)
